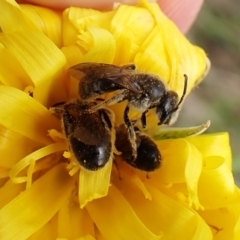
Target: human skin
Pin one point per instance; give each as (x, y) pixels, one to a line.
(182, 12)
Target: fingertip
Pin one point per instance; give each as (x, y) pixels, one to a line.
(182, 13)
(62, 4)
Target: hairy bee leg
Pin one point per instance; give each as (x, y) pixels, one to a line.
(131, 132)
(128, 123)
(144, 119)
(109, 120)
(113, 100)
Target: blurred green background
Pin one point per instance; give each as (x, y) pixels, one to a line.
(217, 30)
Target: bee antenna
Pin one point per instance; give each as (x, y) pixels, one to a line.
(184, 89)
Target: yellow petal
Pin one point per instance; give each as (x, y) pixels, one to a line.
(72, 54)
(183, 165)
(153, 50)
(192, 173)
(39, 57)
(9, 191)
(122, 55)
(45, 20)
(215, 144)
(70, 23)
(94, 184)
(17, 78)
(46, 232)
(115, 218)
(8, 141)
(222, 222)
(96, 39)
(202, 231)
(98, 235)
(22, 114)
(74, 222)
(35, 52)
(160, 211)
(235, 209)
(33, 157)
(216, 184)
(3, 175)
(12, 18)
(88, 237)
(39, 210)
(130, 26)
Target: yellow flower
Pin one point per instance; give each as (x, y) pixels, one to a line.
(43, 194)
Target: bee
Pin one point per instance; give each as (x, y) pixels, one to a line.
(90, 136)
(148, 156)
(143, 91)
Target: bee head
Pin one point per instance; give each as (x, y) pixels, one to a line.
(167, 110)
(167, 107)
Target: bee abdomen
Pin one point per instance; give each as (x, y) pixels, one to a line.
(91, 157)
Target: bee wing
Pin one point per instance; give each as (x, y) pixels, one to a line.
(120, 75)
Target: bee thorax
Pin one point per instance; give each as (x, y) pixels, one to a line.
(139, 103)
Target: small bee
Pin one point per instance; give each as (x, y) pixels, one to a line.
(90, 136)
(143, 91)
(148, 156)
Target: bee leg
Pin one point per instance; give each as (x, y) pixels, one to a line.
(144, 119)
(57, 110)
(119, 97)
(131, 132)
(128, 122)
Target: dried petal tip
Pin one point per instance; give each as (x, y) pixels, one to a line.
(172, 133)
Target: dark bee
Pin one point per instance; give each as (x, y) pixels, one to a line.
(148, 157)
(90, 136)
(143, 91)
